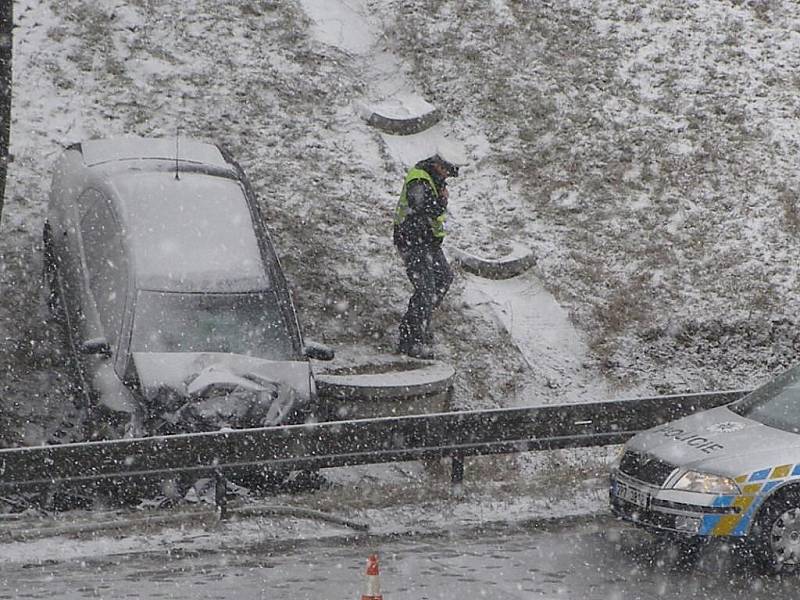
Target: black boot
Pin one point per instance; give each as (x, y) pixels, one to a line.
(414, 349)
(422, 351)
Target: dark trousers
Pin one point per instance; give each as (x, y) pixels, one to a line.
(431, 276)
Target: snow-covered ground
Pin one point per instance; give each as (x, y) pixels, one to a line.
(399, 499)
(644, 150)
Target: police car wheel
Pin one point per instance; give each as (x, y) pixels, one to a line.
(778, 534)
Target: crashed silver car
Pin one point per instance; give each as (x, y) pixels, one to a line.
(177, 312)
(732, 472)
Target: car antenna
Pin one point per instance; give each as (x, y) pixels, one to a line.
(177, 148)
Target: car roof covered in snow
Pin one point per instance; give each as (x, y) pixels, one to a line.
(192, 234)
(96, 152)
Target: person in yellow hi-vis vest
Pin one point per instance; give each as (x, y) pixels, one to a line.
(418, 235)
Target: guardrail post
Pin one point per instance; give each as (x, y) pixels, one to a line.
(457, 473)
(220, 495)
(45, 499)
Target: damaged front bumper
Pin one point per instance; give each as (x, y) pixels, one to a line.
(209, 392)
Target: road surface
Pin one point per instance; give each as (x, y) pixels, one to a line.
(582, 558)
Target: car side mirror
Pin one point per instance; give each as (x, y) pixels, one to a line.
(98, 345)
(318, 351)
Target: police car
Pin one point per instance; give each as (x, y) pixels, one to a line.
(729, 472)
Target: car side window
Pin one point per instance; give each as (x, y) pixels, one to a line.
(105, 261)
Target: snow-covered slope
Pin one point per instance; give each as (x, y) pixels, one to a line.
(644, 150)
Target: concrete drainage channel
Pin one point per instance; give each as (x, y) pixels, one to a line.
(358, 386)
(504, 288)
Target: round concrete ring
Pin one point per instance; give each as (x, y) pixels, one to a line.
(520, 260)
(424, 378)
(407, 126)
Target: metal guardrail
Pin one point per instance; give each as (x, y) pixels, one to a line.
(342, 443)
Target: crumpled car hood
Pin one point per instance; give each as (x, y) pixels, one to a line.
(210, 390)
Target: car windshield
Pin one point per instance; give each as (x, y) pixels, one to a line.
(776, 404)
(249, 323)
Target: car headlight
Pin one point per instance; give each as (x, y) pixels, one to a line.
(706, 483)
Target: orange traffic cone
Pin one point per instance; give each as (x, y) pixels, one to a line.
(373, 580)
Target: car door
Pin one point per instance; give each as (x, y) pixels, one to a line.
(73, 268)
(105, 267)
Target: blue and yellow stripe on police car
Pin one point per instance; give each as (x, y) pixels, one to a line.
(755, 486)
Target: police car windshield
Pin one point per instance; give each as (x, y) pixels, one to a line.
(776, 404)
(250, 323)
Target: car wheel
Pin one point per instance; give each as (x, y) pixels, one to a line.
(777, 534)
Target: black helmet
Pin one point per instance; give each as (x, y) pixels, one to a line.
(450, 168)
